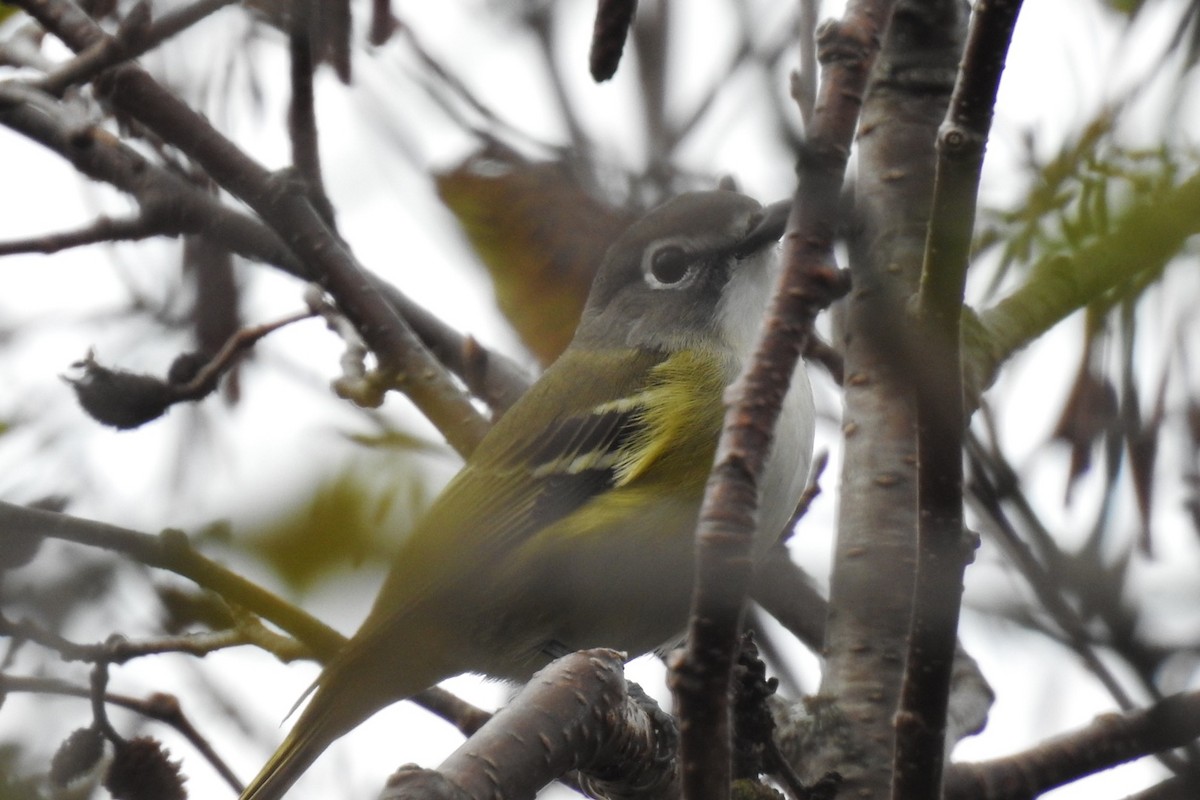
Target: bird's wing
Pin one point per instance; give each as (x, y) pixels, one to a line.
(558, 447)
(594, 421)
(596, 425)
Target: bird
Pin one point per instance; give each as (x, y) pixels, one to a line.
(571, 525)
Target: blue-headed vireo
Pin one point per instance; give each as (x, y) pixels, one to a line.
(571, 525)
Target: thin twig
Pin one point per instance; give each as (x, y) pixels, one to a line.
(99, 685)
(804, 80)
(810, 493)
(404, 362)
(177, 207)
(171, 551)
(161, 707)
(131, 41)
(103, 230)
(986, 499)
(539, 19)
(302, 117)
(459, 89)
(994, 482)
(651, 36)
(118, 649)
(746, 53)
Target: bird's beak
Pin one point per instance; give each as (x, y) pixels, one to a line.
(771, 222)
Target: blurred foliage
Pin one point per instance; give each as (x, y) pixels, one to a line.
(348, 520)
(1091, 410)
(541, 235)
(1088, 200)
(70, 586)
(15, 784)
(1187, 31)
(1074, 197)
(1074, 201)
(186, 608)
(1076, 204)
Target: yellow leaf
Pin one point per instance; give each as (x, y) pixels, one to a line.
(541, 236)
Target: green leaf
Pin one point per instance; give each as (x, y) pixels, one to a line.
(352, 519)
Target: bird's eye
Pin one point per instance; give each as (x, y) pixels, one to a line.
(669, 264)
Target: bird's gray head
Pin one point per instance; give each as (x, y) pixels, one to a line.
(696, 270)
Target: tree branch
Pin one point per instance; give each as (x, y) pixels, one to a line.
(1140, 242)
(987, 495)
(1110, 740)
(136, 36)
(701, 675)
(404, 362)
(118, 649)
(103, 230)
(302, 117)
(943, 548)
(172, 206)
(170, 550)
(576, 714)
(875, 551)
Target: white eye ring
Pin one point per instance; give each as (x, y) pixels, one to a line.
(668, 265)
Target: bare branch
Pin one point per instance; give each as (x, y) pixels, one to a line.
(577, 713)
(173, 206)
(118, 649)
(459, 91)
(986, 496)
(764, 56)
(944, 549)
(875, 552)
(136, 36)
(539, 18)
(651, 41)
(1110, 740)
(170, 550)
(804, 79)
(104, 229)
(700, 677)
(403, 359)
(302, 119)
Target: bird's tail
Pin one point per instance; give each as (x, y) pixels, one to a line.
(346, 694)
(308, 739)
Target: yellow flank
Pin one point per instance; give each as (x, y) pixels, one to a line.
(681, 418)
(681, 415)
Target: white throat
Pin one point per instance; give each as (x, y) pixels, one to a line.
(741, 312)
